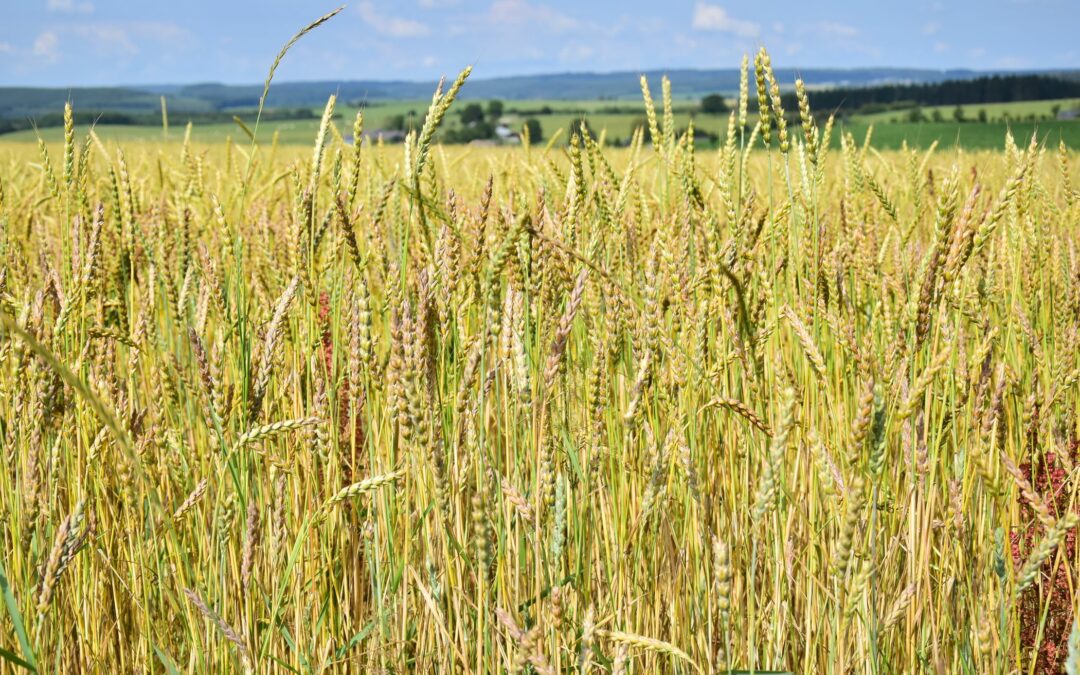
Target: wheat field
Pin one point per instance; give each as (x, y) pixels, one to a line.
(541, 410)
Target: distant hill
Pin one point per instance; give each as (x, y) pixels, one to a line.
(560, 86)
(23, 102)
(18, 102)
(687, 82)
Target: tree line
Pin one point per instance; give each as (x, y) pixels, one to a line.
(992, 89)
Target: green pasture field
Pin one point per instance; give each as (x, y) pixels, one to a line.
(890, 130)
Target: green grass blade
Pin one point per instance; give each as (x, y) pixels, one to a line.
(166, 661)
(8, 655)
(16, 620)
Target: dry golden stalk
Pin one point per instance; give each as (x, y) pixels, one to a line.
(813, 355)
(226, 630)
(1034, 500)
(588, 634)
(742, 410)
(1054, 535)
(270, 347)
(251, 543)
(367, 485)
(192, 499)
(558, 344)
(256, 434)
(773, 475)
(899, 607)
(68, 541)
(517, 500)
(648, 644)
(853, 509)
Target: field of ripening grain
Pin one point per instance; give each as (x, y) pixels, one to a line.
(375, 409)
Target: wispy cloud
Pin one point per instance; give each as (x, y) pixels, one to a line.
(1012, 62)
(129, 38)
(522, 13)
(103, 41)
(47, 46)
(716, 18)
(116, 40)
(70, 7)
(391, 26)
(107, 38)
(576, 53)
(834, 30)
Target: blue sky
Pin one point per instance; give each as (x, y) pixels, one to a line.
(103, 42)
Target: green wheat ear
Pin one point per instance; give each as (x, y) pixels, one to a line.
(1072, 663)
(270, 77)
(284, 50)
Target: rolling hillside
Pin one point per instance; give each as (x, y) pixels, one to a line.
(27, 102)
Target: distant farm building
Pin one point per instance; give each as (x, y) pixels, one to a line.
(507, 135)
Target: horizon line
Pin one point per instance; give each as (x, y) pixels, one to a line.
(564, 73)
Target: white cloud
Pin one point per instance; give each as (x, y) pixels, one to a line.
(941, 47)
(128, 38)
(640, 25)
(520, 12)
(833, 29)
(391, 26)
(108, 38)
(158, 31)
(716, 18)
(439, 4)
(6, 48)
(685, 41)
(70, 7)
(931, 27)
(118, 41)
(1012, 62)
(46, 46)
(575, 53)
